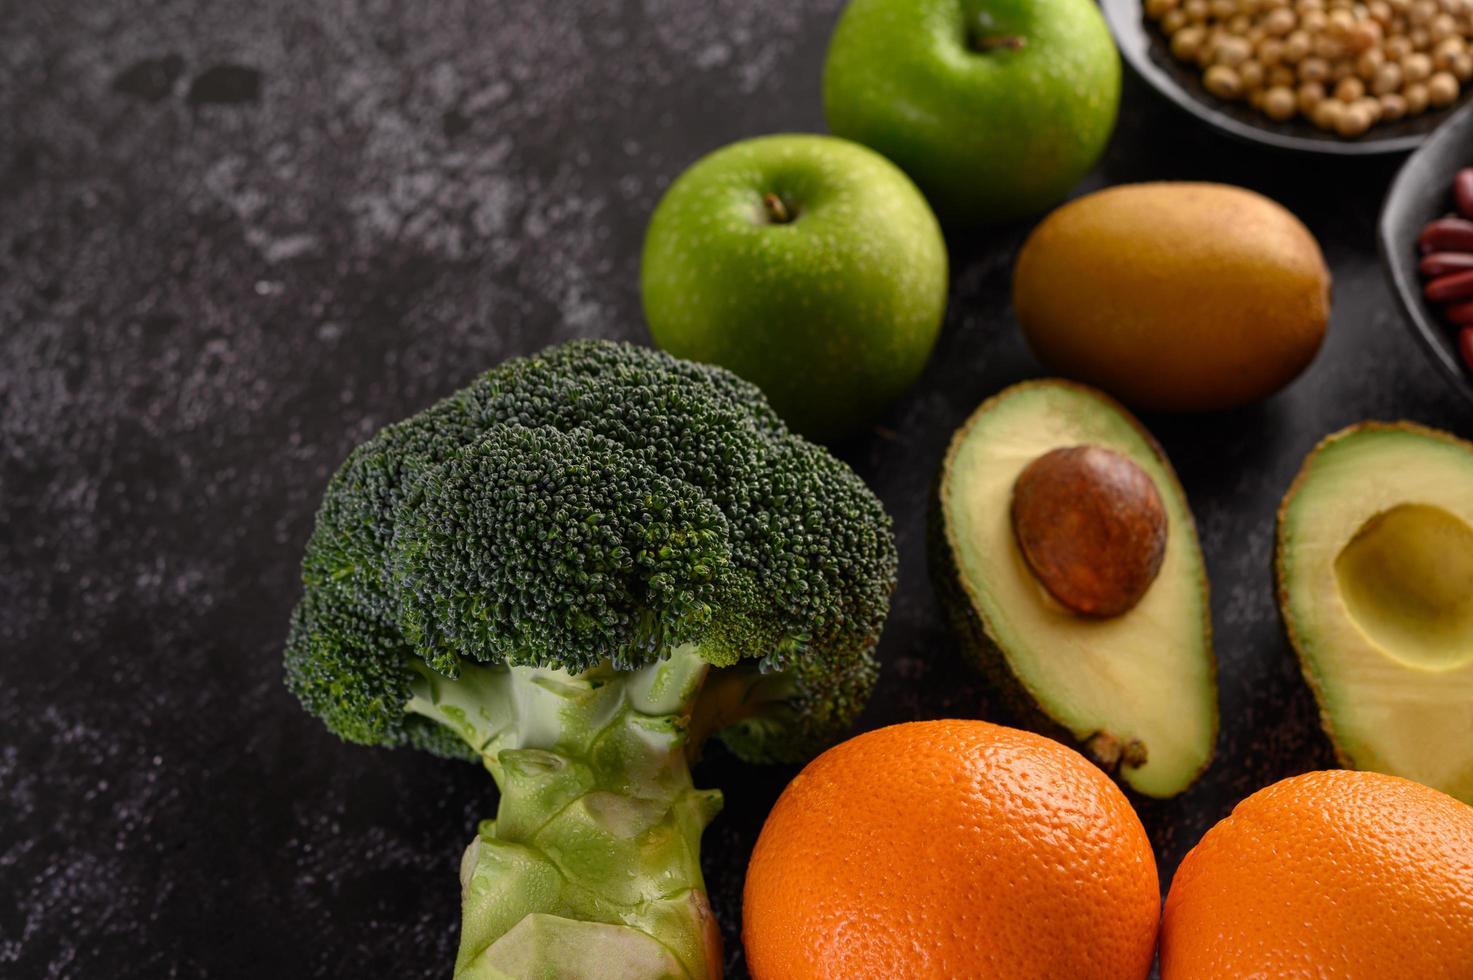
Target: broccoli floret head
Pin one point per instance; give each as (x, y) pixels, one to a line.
(597, 503)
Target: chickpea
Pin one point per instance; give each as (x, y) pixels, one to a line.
(1280, 75)
(1279, 22)
(1343, 64)
(1207, 51)
(1224, 83)
(1232, 51)
(1396, 48)
(1417, 67)
(1416, 98)
(1363, 36)
(1393, 107)
(1327, 113)
(1446, 50)
(1310, 94)
(1442, 89)
(1314, 70)
(1387, 79)
(1328, 48)
(1279, 103)
(1352, 121)
(1185, 42)
(1443, 27)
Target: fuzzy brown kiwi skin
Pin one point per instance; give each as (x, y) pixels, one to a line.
(975, 637)
(1281, 585)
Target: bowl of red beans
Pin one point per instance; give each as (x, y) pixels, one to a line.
(1426, 239)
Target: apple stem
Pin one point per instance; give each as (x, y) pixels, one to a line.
(777, 209)
(1010, 42)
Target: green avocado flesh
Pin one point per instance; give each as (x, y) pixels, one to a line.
(1145, 679)
(1375, 567)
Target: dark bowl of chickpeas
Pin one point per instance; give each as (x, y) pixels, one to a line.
(1426, 239)
(1340, 77)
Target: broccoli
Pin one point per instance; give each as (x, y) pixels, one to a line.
(573, 571)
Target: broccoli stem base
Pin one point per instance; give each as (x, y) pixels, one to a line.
(592, 865)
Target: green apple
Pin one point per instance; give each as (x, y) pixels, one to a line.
(995, 107)
(808, 265)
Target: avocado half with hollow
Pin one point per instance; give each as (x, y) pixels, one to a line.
(1065, 554)
(1375, 573)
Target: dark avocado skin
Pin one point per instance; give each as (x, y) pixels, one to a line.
(1281, 587)
(978, 646)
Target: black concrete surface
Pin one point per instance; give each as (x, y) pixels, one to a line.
(237, 238)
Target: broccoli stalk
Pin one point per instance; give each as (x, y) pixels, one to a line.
(574, 571)
(598, 821)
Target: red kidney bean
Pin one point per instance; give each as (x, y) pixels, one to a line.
(1460, 313)
(1465, 346)
(1447, 234)
(1448, 289)
(1441, 263)
(1463, 191)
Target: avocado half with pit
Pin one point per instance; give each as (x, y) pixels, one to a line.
(1065, 554)
(1375, 574)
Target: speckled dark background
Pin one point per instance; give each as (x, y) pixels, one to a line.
(235, 238)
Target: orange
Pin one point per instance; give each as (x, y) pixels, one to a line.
(1332, 875)
(951, 849)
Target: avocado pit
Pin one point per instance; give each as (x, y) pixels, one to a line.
(1092, 528)
(1406, 579)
